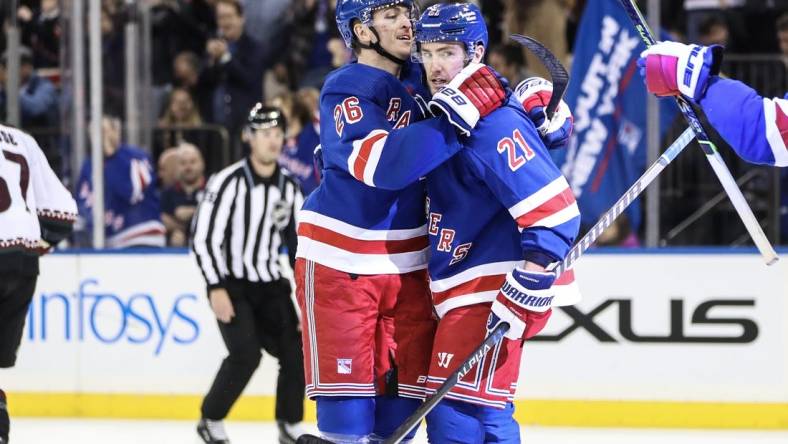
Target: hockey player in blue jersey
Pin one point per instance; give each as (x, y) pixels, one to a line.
(499, 215)
(362, 239)
(755, 127)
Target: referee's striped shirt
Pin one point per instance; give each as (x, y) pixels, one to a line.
(243, 221)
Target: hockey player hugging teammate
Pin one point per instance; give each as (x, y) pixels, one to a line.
(361, 275)
(499, 214)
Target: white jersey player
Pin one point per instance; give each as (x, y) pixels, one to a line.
(36, 211)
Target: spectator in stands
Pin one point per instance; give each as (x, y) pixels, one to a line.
(186, 72)
(200, 19)
(132, 215)
(38, 97)
(713, 31)
(167, 168)
(544, 20)
(782, 35)
(301, 137)
(309, 29)
(235, 69)
(179, 115)
(271, 17)
(179, 201)
(508, 59)
(340, 55)
(41, 31)
(112, 55)
(696, 12)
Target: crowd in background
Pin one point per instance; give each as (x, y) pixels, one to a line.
(212, 60)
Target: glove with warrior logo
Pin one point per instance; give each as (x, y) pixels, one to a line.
(524, 302)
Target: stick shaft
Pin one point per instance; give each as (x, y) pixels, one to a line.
(713, 156)
(625, 200)
(580, 247)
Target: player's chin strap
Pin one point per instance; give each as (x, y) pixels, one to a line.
(379, 49)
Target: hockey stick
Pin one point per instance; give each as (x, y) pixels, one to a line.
(496, 335)
(580, 247)
(717, 164)
(558, 74)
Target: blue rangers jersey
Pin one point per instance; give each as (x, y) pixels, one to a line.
(367, 215)
(754, 126)
(298, 157)
(132, 215)
(498, 201)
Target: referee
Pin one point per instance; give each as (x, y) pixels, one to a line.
(248, 213)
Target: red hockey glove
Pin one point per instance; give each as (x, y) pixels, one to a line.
(534, 93)
(524, 302)
(472, 94)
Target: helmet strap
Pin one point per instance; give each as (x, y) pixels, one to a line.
(379, 49)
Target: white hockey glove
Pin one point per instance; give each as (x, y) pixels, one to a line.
(670, 68)
(472, 94)
(524, 301)
(534, 93)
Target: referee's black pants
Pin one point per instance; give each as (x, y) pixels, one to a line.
(265, 318)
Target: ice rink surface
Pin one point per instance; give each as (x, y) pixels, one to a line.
(78, 431)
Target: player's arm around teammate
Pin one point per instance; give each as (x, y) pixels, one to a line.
(370, 132)
(362, 243)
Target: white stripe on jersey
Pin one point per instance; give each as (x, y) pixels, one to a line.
(774, 133)
(359, 233)
(557, 218)
(541, 196)
(150, 233)
(371, 159)
(464, 300)
(237, 236)
(360, 263)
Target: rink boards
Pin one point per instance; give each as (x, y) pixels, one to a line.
(687, 338)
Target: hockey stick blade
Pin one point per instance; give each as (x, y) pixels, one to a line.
(558, 74)
(714, 158)
(580, 247)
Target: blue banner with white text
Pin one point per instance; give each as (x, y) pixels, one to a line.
(607, 96)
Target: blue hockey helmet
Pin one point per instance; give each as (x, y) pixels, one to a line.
(454, 22)
(361, 10)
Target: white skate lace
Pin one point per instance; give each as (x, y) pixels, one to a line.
(216, 429)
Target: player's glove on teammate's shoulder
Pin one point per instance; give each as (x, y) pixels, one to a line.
(672, 68)
(524, 301)
(475, 92)
(535, 93)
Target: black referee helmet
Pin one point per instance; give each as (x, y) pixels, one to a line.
(264, 117)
